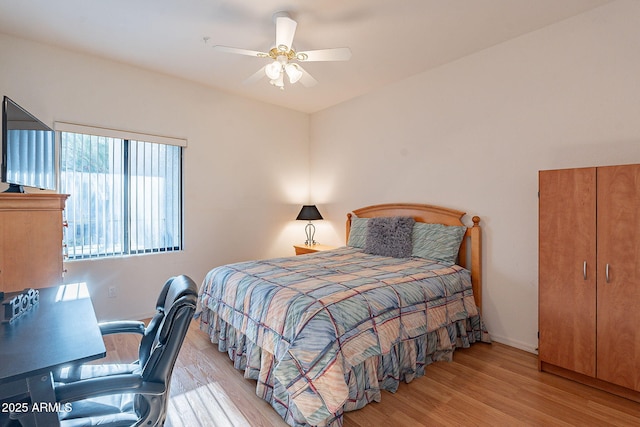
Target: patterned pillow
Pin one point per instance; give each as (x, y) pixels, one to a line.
(358, 232)
(389, 236)
(437, 241)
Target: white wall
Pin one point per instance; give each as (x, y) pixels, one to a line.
(244, 183)
(473, 134)
(470, 135)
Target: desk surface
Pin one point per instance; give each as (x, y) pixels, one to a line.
(60, 330)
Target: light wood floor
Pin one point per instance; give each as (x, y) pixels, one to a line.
(485, 385)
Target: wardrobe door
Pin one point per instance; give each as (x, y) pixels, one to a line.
(567, 279)
(619, 275)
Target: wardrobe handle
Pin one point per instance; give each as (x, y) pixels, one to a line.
(584, 270)
(606, 273)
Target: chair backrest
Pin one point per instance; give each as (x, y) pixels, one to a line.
(179, 308)
(180, 296)
(173, 289)
(152, 328)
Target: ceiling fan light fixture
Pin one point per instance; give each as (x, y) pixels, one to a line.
(278, 81)
(273, 70)
(294, 72)
(282, 55)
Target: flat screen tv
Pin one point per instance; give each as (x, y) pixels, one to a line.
(28, 150)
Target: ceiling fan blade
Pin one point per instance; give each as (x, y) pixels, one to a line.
(239, 51)
(307, 79)
(336, 54)
(285, 30)
(258, 75)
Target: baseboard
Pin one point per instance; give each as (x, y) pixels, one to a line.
(145, 316)
(593, 382)
(514, 343)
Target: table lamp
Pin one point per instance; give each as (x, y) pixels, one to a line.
(309, 213)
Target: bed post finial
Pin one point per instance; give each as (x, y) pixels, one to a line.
(476, 261)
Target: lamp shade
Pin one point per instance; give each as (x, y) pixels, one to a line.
(309, 213)
(294, 72)
(278, 82)
(273, 70)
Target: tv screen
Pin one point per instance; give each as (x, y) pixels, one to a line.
(28, 149)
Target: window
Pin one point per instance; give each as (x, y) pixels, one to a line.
(125, 195)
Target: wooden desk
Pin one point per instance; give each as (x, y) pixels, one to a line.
(60, 330)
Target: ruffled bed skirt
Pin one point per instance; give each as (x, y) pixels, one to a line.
(406, 361)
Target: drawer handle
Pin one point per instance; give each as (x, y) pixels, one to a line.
(606, 273)
(584, 270)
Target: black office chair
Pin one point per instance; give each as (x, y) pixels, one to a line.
(132, 394)
(80, 372)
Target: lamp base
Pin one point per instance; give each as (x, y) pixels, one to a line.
(310, 230)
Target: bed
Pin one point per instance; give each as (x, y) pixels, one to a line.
(324, 333)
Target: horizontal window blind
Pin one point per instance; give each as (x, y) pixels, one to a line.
(125, 195)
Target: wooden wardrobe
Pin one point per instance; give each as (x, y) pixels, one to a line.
(30, 240)
(589, 276)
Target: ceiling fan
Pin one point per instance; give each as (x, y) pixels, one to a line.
(285, 59)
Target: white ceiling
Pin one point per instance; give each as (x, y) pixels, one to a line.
(390, 39)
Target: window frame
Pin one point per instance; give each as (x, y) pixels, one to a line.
(127, 138)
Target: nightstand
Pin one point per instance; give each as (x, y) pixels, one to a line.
(309, 249)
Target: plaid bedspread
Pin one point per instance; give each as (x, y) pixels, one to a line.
(321, 314)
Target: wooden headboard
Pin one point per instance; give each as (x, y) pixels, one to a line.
(470, 254)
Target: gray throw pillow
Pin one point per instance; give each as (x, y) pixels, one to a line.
(389, 236)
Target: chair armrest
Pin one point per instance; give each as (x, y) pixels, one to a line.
(122, 327)
(104, 386)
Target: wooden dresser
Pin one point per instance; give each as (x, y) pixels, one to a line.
(589, 276)
(30, 240)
